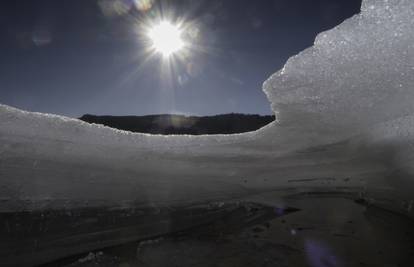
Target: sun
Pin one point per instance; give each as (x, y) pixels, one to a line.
(166, 38)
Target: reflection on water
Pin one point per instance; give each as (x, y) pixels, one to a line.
(326, 231)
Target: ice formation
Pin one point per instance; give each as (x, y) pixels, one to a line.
(344, 109)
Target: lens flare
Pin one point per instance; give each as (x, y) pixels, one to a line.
(166, 38)
(143, 5)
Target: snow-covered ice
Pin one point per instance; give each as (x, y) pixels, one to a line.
(344, 111)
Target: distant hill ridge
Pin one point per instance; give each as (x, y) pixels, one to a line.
(181, 124)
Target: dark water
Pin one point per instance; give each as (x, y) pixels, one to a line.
(32, 238)
(263, 230)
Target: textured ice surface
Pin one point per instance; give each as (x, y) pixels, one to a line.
(344, 109)
(355, 75)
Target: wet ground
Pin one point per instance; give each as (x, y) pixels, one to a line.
(265, 230)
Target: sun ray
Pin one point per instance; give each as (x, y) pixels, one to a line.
(166, 38)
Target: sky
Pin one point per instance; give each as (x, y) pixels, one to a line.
(75, 57)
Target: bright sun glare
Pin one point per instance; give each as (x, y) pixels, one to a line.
(166, 38)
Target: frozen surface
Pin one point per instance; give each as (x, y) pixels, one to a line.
(356, 75)
(345, 122)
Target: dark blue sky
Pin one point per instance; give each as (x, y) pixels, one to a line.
(73, 57)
